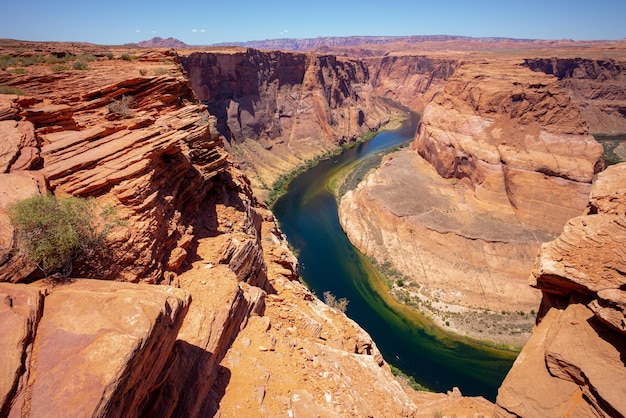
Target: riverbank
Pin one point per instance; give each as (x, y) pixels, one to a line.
(501, 328)
(279, 187)
(308, 216)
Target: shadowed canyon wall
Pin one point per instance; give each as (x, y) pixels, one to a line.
(278, 109)
(595, 85)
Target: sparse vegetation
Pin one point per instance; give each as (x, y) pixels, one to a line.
(159, 71)
(127, 57)
(11, 90)
(56, 232)
(121, 107)
(339, 304)
(80, 65)
(57, 68)
(409, 380)
(143, 72)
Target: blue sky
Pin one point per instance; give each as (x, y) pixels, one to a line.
(209, 21)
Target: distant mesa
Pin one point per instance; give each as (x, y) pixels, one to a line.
(158, 42)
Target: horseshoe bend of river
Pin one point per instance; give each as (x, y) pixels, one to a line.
(435, 358)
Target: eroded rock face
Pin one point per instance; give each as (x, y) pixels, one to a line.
(412, 80)
(279, 109)
(97, 350)
(153, 159)
(595, 85)
(517, 137)
(573, 363)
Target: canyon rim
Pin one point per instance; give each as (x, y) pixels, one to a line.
(200, 311)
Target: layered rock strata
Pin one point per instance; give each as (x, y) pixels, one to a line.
(595, 85)
(412, 80)
(575, 357)
(278, 110)
(102, 348)
(153, 155)
(501, 161)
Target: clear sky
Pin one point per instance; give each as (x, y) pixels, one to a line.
(209, 21)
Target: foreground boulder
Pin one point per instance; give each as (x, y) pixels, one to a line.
(89, 348)
(573, 365)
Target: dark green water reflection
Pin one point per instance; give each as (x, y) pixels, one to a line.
(308, 216)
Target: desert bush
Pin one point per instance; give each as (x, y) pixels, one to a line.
(159, 71)
(11, 90)
(143, 72)
(17, 71)
(333, 302)
(57, 68)
(127, 57)
(56, 232)
(121, 107)
(80, 65)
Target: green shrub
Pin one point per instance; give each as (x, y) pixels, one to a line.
(11, 90)
(17, 71)
(333, 302)
(57, 68)
(55, 232)
(80, 65)
(127, 57)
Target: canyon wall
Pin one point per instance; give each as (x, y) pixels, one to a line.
(573, 364)
(229, 330)
(412, 80)
(595, 85)
(501, 161)
(278, 109)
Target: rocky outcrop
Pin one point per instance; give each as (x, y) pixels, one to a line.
(412, 80)
(278, 109)
(111, 338)
(574, 358)
(153, 155)
(595, 85)
(501, 161)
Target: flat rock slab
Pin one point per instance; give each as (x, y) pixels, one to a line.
(100, 348)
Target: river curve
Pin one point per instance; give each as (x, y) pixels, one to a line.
(329, 262)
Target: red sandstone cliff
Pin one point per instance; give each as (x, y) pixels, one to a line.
(595, 85)
(224, 333)
(278, 110)
(501, 161)
(573, 365)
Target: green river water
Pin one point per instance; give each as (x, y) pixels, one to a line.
(329, 262)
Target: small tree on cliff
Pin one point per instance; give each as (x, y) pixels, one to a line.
(56, 232)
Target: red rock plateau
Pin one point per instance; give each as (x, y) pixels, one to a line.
(198, 310)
